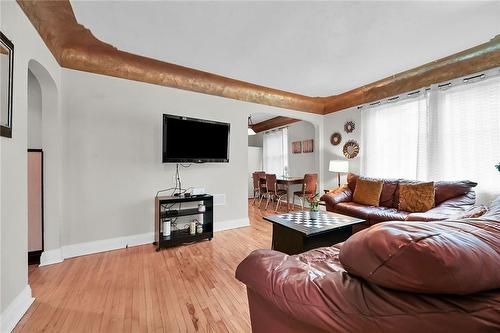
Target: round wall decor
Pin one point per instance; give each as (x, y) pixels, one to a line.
(336, 138)
(351, 149)
(349, 126)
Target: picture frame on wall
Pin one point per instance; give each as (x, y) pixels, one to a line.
(6, 85)
(296, 147)
(308, 146)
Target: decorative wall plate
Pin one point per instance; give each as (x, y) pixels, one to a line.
(349, 126)
(336, 138)
(351, 149)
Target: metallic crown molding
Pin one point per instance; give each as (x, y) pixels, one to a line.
(75, 47)
(470, 61)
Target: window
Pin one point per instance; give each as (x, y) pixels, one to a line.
(466, 138)
(451, 134)
(391, 137)
(275, 152)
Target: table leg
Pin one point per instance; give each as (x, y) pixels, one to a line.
(288, 198)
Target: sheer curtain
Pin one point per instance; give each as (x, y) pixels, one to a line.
(451, 134)
(465, 141)
(275, 152)
(391, 139)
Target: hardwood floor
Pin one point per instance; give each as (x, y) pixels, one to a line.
(185, 289)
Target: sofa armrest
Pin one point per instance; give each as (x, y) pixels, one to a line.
(446, 210)
(342, 194)
(292, 285)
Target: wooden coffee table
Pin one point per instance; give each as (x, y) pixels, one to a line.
(296, 232)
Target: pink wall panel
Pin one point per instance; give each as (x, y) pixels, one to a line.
(35, 233)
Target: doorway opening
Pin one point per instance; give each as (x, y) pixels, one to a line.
(284, 147)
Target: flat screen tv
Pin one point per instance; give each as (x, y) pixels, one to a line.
(191, 140)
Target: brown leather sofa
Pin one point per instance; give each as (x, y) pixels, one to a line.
(451, 198)
(440, 276)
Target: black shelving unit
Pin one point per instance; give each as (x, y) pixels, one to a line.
(170, 208)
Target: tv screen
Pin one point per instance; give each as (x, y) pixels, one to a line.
(194, 140)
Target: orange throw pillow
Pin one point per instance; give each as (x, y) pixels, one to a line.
(415, 198)
(367, 192)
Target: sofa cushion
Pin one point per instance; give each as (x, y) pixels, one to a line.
(449, 257)
(416, 197)
(472, 212)
(380, 214)
(368, 191)
(353, 209)
(388, 189)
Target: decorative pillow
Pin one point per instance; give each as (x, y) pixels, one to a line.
(425, 257)
(367, 192)
(415, 198)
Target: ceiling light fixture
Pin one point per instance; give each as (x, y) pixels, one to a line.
(250, 129)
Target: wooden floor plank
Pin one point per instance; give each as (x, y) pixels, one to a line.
(184, 289)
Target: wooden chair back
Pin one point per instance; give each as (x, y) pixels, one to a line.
(256, 177)
(310, 185)
(271, 182)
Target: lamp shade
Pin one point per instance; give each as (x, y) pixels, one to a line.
(339, 166)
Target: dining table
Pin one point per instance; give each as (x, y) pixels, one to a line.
(287, 181)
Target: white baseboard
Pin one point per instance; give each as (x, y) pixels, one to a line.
(16, 310)
(81, 249)
(231, 224)
(51, 257)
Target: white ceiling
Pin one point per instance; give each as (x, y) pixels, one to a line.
(260, 117)
(311, 48)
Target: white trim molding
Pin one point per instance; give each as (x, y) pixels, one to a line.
(81, 249)
(51, 257)
(231, 224)
(16, 310)
(75, 250)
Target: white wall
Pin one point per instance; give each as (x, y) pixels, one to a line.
(334, 122)
(113, 155)
(300, 164)
(256, 140)
(254, 164)
(14, 292)
(34, 112)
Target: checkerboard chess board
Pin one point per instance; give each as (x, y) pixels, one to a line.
(302, 221)
(304, 218)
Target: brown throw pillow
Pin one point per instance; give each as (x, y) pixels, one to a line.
(415, 198)
(367, 192)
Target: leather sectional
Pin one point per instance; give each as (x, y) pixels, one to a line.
(451, 198)
(439, 276)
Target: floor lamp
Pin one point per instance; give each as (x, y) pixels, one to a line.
(339, 166)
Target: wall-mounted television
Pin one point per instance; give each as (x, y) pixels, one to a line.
(191, 140)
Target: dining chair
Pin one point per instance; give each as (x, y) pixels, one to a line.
(273, 191)
(258, 185)
(309, 188)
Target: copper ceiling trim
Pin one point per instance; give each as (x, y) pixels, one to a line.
(273, 123)
(75, 47)
(470, 61)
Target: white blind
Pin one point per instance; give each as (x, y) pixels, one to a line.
(466, 139)
(390, 139)
(451, 134)
(275, 152)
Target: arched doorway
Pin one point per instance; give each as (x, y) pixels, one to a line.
(44, 133)
(292, 150)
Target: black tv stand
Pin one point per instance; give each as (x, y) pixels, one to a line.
(170, 207)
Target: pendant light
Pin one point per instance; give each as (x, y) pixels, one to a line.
(250, 129)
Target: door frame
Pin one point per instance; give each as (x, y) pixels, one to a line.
(34, 256)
